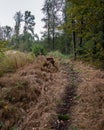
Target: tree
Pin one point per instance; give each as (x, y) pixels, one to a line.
(29, 22)
(26, 42)
(3, 46)
(23, 40)
(7, 32)
(52, 11)
(46, 11)
(85, 22)
(1, 33)
(18, 17)
(65, 20)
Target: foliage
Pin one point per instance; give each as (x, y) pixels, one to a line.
(52, 20)
(85, 22)
(18, 17)
(7, 32)
(71, 26)
(3, 46)
(24, 40)
(29, 22)
(58, 54)
(38, 49)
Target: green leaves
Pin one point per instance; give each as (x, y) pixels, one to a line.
(3, 45)
(38, 49)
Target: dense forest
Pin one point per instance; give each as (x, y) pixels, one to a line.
(72, 27)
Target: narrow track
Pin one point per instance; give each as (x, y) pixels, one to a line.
(63, 108)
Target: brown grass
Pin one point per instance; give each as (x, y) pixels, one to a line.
(29, 96)
(88, 113)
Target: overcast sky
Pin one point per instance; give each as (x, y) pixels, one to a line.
(9, 7)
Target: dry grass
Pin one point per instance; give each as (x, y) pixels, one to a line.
(88, 113)
(13, 60)
(29, 96)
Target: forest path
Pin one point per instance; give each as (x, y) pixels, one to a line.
(82, 103)
(67, 100)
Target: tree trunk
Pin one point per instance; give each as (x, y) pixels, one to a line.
(53, 31)
(48, 26)
(53, 40)
(66, 43)
(81, 40)
(48, 36)
(103, 33)
(74, 45)
(66, 29)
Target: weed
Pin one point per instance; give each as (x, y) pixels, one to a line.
(63, 117)
(77, 97)
(73, 128)
(14, 128)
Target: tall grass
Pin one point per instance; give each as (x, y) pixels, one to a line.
(13, 60)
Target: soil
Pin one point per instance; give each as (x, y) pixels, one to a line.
(69, 96)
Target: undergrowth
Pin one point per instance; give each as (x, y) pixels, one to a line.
(12, 60)
(58, 54)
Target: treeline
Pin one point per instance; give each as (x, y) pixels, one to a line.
(74, 27)
(21, 36)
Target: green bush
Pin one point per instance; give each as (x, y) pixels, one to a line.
(3, 45)
(59, 54)
(38, 49)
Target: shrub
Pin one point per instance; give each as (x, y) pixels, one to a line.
(3, 45)
(59, 55)
(38, 49)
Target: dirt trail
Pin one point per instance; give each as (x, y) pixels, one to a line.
(82, 106)
(67, 100)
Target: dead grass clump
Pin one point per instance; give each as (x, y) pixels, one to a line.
(31, 94)
(21, 91)
(39, 115)
(15, 99)
(9, 115)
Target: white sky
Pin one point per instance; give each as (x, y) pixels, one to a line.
(8, 8)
